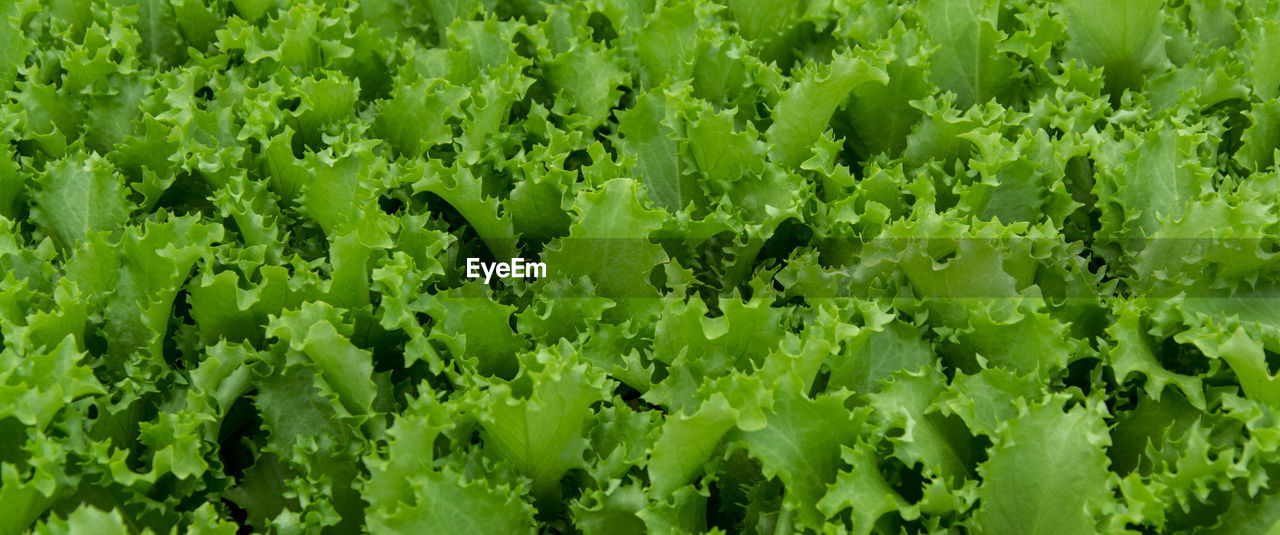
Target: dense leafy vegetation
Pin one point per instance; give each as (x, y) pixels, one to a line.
(834, 266)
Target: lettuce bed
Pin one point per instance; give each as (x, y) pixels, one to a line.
(823, 266)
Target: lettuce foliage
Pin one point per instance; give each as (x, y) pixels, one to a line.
(828, 266)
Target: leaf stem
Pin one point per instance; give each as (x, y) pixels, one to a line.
(783, 526)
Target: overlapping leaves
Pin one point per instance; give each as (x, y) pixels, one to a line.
(830, 267)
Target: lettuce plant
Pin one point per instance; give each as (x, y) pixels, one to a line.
(806, 266)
